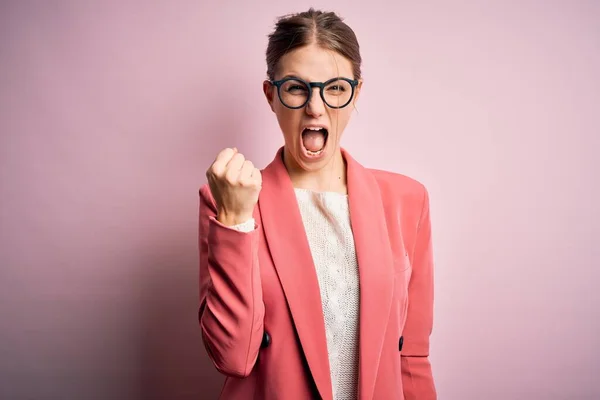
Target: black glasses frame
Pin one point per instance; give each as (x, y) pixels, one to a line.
(321, 85)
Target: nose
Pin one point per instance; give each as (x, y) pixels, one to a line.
(315, 106)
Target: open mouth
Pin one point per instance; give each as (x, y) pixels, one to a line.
(314, 140)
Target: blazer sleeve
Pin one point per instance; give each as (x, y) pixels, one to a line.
(417, 378)
(231, 310)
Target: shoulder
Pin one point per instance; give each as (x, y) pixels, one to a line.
(399, 186)
(403, 198)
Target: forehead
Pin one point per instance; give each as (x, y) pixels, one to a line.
(315, 63)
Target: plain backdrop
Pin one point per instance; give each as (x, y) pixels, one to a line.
(111, 111)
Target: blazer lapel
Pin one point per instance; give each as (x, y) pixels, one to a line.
(375, 265)
(289, 248)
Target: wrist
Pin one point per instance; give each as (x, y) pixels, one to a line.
(232, 219)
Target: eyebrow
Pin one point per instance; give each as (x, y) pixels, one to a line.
(295, 76)
(307, 80)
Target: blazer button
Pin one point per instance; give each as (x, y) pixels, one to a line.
(400, 343)
(266, 340)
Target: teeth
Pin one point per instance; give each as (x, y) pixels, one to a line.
(314, 128)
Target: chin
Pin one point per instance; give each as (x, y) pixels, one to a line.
(312, 163)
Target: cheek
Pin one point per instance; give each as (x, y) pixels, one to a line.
(288, 120)
(340, 119)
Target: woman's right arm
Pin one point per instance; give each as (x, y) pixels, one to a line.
(231, 306)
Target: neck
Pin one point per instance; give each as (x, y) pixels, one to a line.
(330, 178)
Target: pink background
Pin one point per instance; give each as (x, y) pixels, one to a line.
(110, 112)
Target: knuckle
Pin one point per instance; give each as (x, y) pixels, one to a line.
(231, 176)
(231, 181)
(216, 171)
(243, 183)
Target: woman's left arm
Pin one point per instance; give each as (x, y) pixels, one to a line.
(417, 377)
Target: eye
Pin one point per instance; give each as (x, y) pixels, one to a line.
(295, 87)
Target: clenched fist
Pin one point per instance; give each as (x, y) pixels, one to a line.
(235, 185)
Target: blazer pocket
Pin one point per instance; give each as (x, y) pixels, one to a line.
(401, 262)
(401, 280)
(402, 272)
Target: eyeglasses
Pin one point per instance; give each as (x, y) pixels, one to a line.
(296, 93)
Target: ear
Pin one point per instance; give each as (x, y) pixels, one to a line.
(269, 91)
(357, 91)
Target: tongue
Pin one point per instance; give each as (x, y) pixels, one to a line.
(313, 140)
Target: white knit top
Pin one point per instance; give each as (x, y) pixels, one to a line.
(326, 219)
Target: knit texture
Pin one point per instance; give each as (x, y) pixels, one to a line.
(326, 219)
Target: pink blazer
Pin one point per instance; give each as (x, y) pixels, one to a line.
(260, 309)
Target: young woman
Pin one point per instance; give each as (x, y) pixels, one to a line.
(316, 273)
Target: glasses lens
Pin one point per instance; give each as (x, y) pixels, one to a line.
(293, 93)
(337, 93)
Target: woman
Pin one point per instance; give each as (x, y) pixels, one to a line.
(316, 273)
